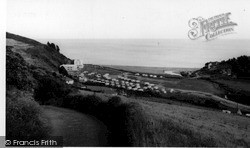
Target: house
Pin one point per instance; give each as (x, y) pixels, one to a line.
(69, 67)
(69, 81)
(73, 67)
(211, 65)
(78, 63)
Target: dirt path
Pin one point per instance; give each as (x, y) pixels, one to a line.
(76, 128)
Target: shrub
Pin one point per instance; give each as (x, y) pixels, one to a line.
(17, 72)
(114, 101)
(51, 90)
(24, 119)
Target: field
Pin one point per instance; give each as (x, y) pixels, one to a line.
(187, 84)
(235, 90)
(165, 123)
(227, 129)
(236, 84)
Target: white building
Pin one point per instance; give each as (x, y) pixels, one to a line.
(70, 67)
(73, 67)
(69, 81)
(78, 63)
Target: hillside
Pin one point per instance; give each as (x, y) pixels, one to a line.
(232, 76)
(232, 68)
(28, 62)
(35, 53)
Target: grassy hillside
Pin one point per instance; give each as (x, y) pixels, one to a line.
(27, 61)
(35, 53)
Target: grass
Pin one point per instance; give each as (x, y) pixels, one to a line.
(187, 84)
(145, 130)
(236, 90)
(129, 125)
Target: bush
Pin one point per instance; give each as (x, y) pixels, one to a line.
(17, 72)
(51, 91)
(114, 101)
(24, 119)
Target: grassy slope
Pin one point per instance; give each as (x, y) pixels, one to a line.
(228, 130)
(35, 53)
(27, 60)
(163, 124)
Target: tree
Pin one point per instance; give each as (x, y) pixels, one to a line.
(52, 45)
(48, 43)
(63, 71)
(57, 48)
(50, 90)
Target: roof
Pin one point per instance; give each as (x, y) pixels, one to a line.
(68, 79)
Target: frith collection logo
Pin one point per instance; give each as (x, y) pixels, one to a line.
(210, 28)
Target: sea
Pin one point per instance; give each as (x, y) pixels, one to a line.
(166, 53)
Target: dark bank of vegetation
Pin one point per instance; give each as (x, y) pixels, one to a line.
(240, 66)
(52, 45)
(24, 117)
(232, 76)
(232, 68)
(235, 90)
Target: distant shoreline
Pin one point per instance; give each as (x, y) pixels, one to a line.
(153, 70)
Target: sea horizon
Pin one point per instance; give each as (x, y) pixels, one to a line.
(163, 53)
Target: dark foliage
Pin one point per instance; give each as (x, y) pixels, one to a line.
(54, 46)
(17, 71)
(239, 67)
(63, 71)
(24, 118)
(57, 48)
(51, 90)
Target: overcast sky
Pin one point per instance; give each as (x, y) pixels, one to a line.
(119, 18)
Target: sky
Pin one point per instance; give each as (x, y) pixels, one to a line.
(108, 19)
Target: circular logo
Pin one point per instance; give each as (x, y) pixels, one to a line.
(7, 142)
